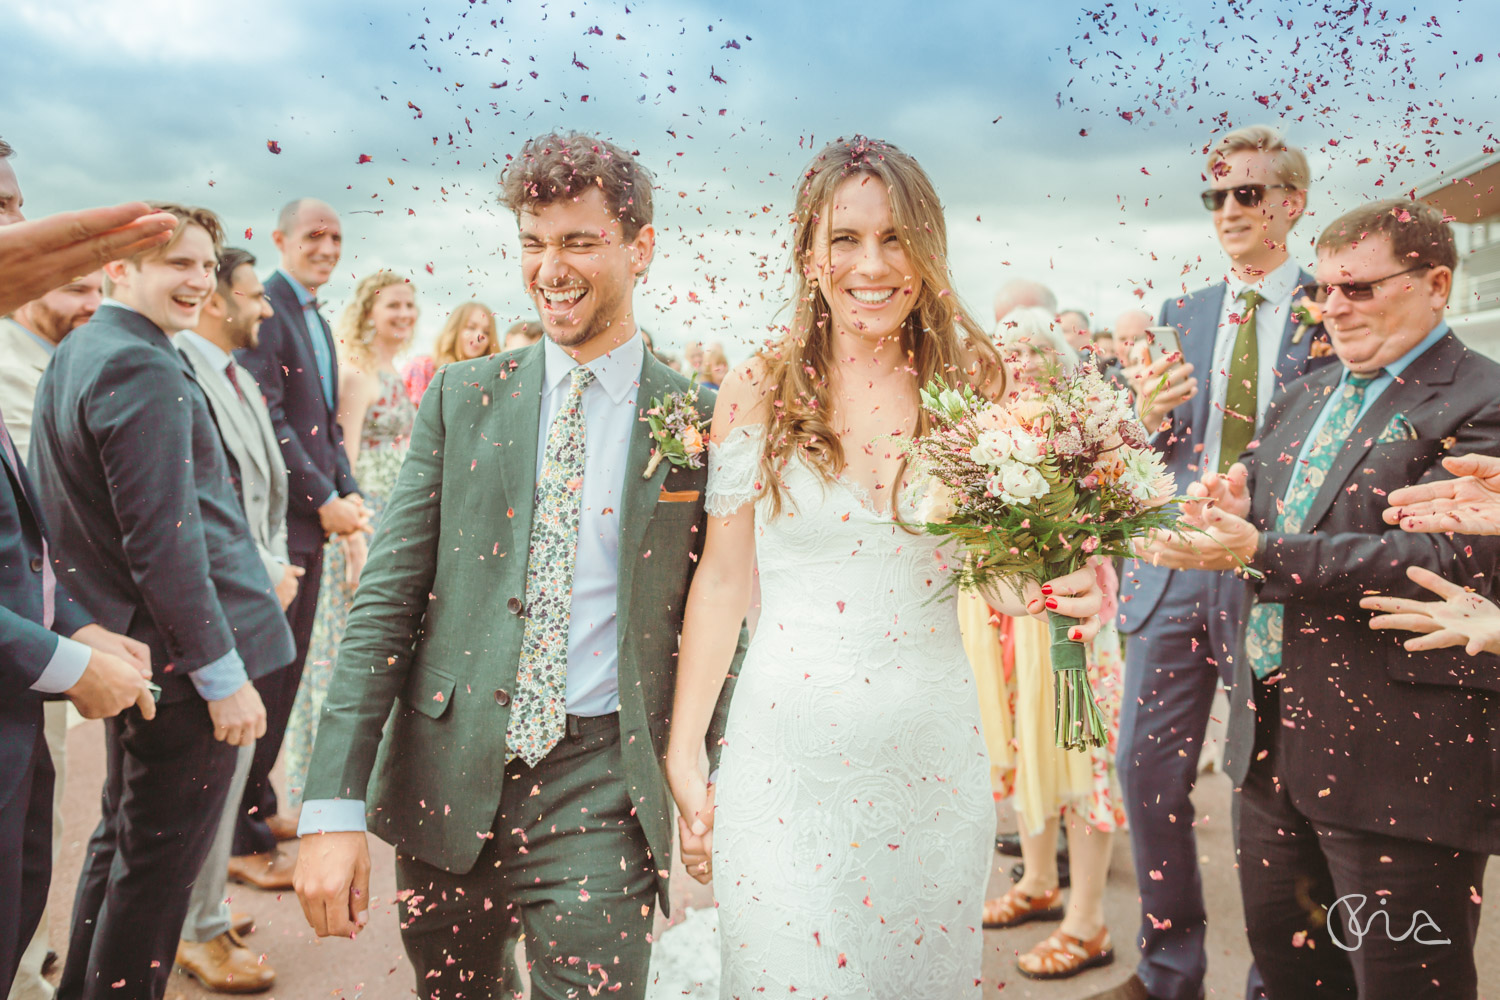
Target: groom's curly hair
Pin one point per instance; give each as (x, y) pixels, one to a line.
(561, 165)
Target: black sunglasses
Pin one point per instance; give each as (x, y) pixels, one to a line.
(1248, 195)
(1355, 291)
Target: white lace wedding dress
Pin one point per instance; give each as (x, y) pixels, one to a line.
(855, 823)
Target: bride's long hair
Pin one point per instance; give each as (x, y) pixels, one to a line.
(939, 337)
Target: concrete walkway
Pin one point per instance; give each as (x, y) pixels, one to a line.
(373, 967)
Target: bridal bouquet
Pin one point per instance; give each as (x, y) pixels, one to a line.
(1031, 488)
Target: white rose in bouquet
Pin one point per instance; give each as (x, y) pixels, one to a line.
(1017, 482)
(1008, 444)
(937, 505)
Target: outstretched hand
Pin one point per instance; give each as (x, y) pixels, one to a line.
(43, 254)
(1469, 504)
(1458, 618)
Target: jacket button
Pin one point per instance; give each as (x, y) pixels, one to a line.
(514, 605)
(36, 564)
(502, 696)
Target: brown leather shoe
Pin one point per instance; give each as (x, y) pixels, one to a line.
(224, 965)
(283, 827)
(242, 924)
(271, 870)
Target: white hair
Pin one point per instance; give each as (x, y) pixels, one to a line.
(1036, 328)
(1020, 293)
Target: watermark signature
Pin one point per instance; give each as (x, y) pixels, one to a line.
(1354, 902)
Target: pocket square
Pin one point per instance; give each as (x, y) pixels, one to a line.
(680, 496)
(1399, 429)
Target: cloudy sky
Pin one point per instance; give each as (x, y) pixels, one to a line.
(1066, 141)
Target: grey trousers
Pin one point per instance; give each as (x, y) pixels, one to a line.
(208, 914)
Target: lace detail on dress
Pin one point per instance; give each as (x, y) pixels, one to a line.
(734, 470)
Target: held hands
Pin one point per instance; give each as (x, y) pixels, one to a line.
(1160, 387)
(1469, 505)
(116, 677)
(1459, 618)
(240, 719)
(695, 818)
(286, 590)
(344, 515)
(332, 881)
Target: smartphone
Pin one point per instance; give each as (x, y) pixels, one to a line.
(155, 690)
(1162, 341)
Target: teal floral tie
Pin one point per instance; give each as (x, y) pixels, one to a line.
(1263, 633)
(539, 711)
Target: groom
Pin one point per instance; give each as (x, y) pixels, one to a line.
(521, 610)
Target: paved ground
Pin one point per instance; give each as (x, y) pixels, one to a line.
(374, 967)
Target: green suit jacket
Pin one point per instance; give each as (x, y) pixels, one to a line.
(420, 696)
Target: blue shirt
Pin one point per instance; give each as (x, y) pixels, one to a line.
(314, 327)
(1384, 380)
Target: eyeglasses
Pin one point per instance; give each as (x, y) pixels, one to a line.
(1355, 291)
(1248, 195)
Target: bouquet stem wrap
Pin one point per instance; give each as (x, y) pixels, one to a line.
(1079, 723)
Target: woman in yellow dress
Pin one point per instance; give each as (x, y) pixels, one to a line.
(1012, 665)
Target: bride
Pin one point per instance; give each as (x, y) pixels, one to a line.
(852, 838)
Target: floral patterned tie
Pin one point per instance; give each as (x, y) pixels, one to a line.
(1263, 632)
(538, 714)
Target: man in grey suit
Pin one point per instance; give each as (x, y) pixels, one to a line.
(211, 949)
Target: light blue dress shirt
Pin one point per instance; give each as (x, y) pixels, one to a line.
(609, 415)
(327, 371)
(223, 677)
(1387, 377)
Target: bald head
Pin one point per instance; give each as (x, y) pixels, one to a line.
(310, 239)
(1023, 293)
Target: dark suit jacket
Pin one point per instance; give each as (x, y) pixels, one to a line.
(436, 626)
(1370, 736)
(1180, 443)
(137, 491)
(311, 442)
(25, 646)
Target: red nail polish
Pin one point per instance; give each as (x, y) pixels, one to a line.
(1046, 588)
(1052, 603)
(1075, 634)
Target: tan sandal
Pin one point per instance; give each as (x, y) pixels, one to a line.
(1016, 908)
(1062, 955)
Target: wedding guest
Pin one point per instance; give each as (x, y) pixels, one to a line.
(1021, 293)
(1241, 342)
(1361, 767)
(1075, 327)
(692, 358)
(136, 486)
(212, 949)
(28, 337)
(375, 416)
(715, 366)
(47, 646)
(468, 333)
(1011, 659)
(296, 367)
(1103, 345)
(522, 334)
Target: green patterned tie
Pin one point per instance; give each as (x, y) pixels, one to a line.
(539, 712)
(1240, 394)
(1263, 632)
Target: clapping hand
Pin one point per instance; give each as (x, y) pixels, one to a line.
(1229, 492)
(1469, 504)
(1226, 541)
(1458, 618)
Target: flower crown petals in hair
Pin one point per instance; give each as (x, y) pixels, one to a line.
(679, 431)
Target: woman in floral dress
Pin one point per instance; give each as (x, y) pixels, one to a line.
(1012, 665)
(376, 415)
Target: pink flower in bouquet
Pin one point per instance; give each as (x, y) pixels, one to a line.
(1032, 414)
(692, 440)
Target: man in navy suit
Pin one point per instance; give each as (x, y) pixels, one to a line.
(48, 646)
(136, 486)
(297, 368)
(1241, 343)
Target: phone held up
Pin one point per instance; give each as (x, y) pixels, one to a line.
(1163, 341)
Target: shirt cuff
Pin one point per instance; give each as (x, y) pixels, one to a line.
(220, 679)
(331, 497)
(713, 776)
(69, 661)
(331, 816)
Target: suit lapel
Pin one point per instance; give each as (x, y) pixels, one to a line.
(640, 494)
(1420, 382)
(229, 415)
(517, 406)
(1291, 359)
(1204, 329)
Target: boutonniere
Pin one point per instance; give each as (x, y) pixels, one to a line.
(1308, 314)
(678, 430)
